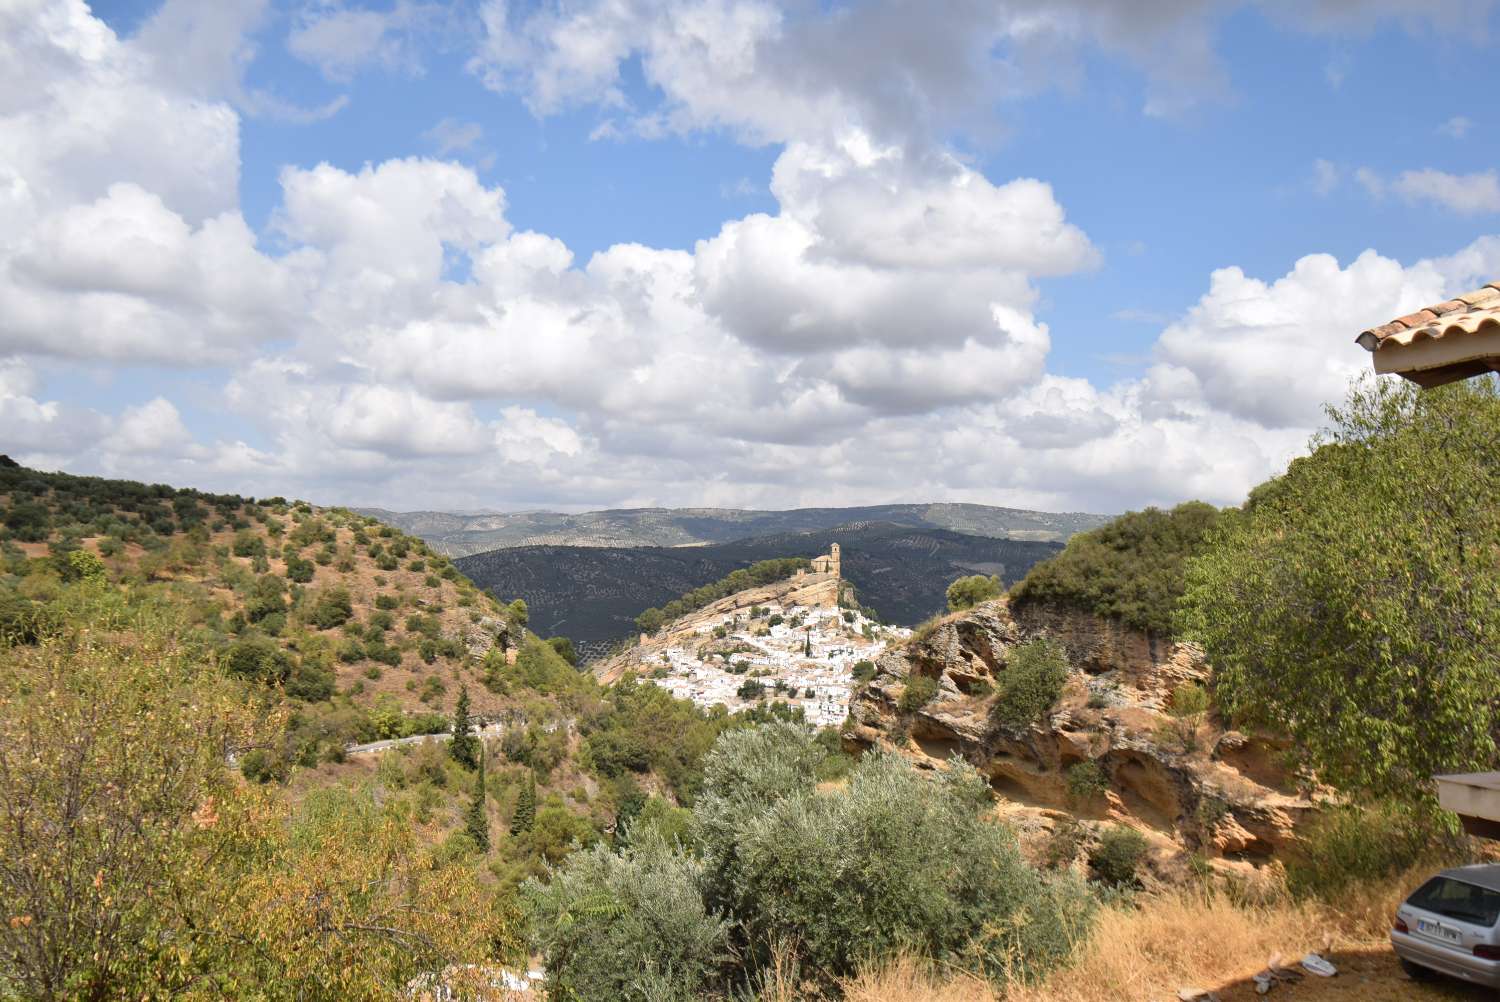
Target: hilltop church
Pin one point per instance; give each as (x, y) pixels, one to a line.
(828, 563)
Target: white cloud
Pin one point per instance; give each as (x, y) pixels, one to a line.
(451, 135)
(1325, 176)
(1470, 194)
(396, 340)
(153, 428)
(341, 40)
(1456, 127)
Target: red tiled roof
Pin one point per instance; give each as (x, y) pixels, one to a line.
(1467, 314)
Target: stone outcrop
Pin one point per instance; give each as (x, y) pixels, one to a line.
(1194, 789)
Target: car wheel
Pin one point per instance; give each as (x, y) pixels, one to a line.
(1416, 971)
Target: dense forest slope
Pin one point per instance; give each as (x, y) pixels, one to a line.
(593, 594)
(464, 534)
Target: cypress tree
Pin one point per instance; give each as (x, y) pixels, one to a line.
(807, 649)
(465, 746)
(525, 817)
(477, 820)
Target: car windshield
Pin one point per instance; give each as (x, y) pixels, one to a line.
(1458, 900)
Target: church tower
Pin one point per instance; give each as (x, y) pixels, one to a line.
(833, 551)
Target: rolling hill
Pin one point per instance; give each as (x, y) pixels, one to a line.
(464, 534)
(593, 593)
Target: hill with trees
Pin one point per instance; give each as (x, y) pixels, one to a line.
(1131, 569)
(594, 594)
(462, 534)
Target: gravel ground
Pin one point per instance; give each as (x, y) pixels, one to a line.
(1366, 976)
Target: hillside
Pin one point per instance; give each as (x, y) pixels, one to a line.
(464, 534)
(796, 639)
(593, 594)
(367, 629)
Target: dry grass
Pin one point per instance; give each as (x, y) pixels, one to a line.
(1172, 941)
(905, 978)
(1204, 939)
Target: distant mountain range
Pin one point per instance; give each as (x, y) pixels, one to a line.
(593, 593)
(461, 534)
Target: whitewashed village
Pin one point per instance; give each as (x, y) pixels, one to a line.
(798, 642)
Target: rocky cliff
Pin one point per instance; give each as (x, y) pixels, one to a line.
(1201, 794)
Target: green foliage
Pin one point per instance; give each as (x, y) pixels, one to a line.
(267, 598)
(1353, 603)
(640, 726)
(564, 648)
(258, 658)
(895, 860)
(332, 607)
(918, 693)
(631, 926)
(1351, 846)
(23, 620)
(523, 819)
(83, 565)
(477, 818)
(1131, 569)
(763, 572)
(864, 671)
(965, 593)
(1116, 860)
(1087, 781)
(464, 747)
(248, 543)
(1031, 684)
(518, 615)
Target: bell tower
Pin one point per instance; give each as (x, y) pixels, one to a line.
(833, 551)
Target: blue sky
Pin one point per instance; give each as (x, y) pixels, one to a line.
(1040, 254)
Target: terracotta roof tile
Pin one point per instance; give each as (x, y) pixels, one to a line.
(1465, 314)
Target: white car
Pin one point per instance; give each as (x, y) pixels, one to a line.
(1448, 926)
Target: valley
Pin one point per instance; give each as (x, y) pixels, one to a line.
(593, 594)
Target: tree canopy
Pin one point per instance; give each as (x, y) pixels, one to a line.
(1353, 602)
(1130, 569)
(760, 573)
(967, 592)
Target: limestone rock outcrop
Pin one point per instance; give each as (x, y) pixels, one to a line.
(1198, 792)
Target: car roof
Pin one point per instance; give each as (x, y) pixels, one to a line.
(1486, 875)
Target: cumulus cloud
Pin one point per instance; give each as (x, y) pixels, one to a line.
(779, 71)
(395, 339)
(342, 40)
(1470, 194)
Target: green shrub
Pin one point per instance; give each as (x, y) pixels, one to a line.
(1031, 684)
(1132, 569)
(331, 608)
(1087, 781)
(864, 671)
(918, 693)
(1115, 861)
(257, 658)
(311, 683)
(760, 573)
(1352, 846)
(299, 571)
(877, 886)
(965, 593)
(631, 926)
(248, 543)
